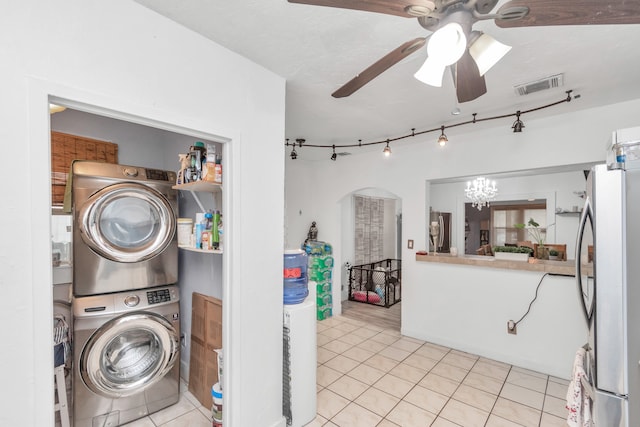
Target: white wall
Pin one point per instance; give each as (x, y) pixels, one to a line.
(467, 308)
(578, 137)
(118, 58)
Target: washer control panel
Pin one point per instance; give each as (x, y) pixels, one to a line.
(121, 302)
(158, 296)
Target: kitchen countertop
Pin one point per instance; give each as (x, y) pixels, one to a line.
(556, 267)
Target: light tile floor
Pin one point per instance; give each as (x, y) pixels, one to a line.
(368, 376)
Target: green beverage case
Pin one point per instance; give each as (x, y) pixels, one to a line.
(324, 300)
(321, 262)
(323, 288)
(319, 276)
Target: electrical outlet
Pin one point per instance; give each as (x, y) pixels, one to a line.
(511, 327)
(409, 244)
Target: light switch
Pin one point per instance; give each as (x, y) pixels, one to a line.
(410, 244)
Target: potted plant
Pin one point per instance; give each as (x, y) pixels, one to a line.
(553, 254)
(512, 253)
(538, 235)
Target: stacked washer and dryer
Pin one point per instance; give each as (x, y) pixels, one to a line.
(126, 318)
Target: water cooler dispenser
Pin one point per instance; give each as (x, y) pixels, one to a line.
(299, 343)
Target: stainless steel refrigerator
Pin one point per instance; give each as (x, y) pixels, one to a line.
(610, 285)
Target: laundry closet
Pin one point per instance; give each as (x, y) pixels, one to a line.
(111, 271)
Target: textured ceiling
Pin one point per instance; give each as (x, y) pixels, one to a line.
(318, 49)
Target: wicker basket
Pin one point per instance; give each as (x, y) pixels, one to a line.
(65, 149)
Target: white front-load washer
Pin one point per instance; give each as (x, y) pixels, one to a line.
(126, 353)
(124, 228)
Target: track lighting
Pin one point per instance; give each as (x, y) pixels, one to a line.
(442, 139)
(387, 150)
(517, 125)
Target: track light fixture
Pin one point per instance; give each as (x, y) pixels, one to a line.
(387, 150)
(442, 139)
(517, 125)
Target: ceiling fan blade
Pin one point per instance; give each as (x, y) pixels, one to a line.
(388, 7)
(469, 83)
(380, 66)
(571, 12)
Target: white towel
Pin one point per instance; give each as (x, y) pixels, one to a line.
(578, 402)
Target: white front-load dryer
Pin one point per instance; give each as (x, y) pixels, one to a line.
(126, 354)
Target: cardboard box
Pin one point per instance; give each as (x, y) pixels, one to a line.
(206, 337)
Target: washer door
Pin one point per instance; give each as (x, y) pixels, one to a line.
(128, 354)
(127, 222)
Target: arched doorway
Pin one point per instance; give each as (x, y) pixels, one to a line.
(371, 223)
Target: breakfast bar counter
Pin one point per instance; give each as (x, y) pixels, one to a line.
(566, 268)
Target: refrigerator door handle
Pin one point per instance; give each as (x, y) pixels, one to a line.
(586, 215)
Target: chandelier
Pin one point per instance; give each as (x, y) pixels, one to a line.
(480, 192)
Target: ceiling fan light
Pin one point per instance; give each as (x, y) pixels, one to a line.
(447, 44)
(487, 51)
(430, 73)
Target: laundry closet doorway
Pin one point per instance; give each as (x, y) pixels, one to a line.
(148, 144)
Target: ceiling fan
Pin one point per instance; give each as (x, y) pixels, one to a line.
(469, 54)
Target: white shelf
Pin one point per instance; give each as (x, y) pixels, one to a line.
(212, 187)
(204, 251)
(570, 213)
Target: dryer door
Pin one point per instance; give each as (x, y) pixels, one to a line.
(127, 222)
(128, 354)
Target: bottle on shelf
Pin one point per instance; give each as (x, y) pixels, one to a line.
(215, 234)
(216, 406)
(220, 233)
(209, 167)
(218, 170)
